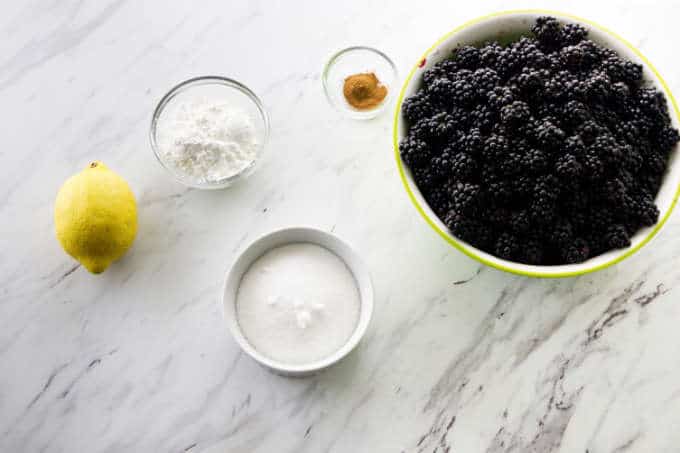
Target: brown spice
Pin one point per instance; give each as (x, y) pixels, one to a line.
(364, 91)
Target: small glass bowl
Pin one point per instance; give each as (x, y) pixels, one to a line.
(357, 60)
(211, 87)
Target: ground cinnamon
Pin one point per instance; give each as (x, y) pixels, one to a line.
(364, 91)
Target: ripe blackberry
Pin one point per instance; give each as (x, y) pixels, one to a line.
(495, 147)
(622, 70)
(488, 55)
(617, 237)
(589, 131)
(415, 153)
(666, 139)
(573, 145)
(520, 222)
(593, 166)
(548, 31)
(572, 57)
(441, 126)
(568, 168)
(573, 34)
(531, 82)
(463, 93)
(598, 86)
(500, 96)
(532, 252)
(510, 165)
(606, 147)
(486, 79)
(549, 136)
(440, 92)
(464, 197)
(473, 142)
(462, 166)
(576, 252)
(417, 106)
(425, 179)
(535, 161)
(515, 114)
(483, 117)
(441, 165)
(507, 246)
(467, 57)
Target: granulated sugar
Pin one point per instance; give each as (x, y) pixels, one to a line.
(298, 303)
(208, 141)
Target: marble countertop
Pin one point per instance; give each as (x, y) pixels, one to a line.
(459, 357)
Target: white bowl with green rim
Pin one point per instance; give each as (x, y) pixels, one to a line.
(514, 23)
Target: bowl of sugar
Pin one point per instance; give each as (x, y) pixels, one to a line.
(297, 300)
(209, 132)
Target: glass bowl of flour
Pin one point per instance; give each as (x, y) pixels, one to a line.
(209, 132)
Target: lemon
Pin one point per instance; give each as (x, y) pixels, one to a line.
(95, 217)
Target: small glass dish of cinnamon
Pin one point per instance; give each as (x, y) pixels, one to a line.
(360, 81)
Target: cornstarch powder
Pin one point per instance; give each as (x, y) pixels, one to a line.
(208, 141)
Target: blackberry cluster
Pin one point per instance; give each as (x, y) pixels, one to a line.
(549, 150)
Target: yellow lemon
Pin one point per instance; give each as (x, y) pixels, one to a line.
(95, 216)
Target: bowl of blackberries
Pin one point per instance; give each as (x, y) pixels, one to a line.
(541, 145)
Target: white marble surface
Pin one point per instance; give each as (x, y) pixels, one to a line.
(459, 357)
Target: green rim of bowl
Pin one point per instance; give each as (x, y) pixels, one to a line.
(468, 250)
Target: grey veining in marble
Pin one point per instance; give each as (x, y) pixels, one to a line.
(459, 358)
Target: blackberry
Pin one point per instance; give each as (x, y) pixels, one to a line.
(568, 168)
(666, 139)
(507, 246)
(463, 93)
(500, 96)
(510, 165)
(473, 142)
(535, 161)
(462, 166)
(488, 55)
(548, 31)
(549, 136)
(622, 71)
(573, 145)
(486, 79)
(607, 148)
(495, 147)
(617, 237)
(417, 106)
(520, 222)
(441, 126)
(589, 131)
(440, 92)
(573, 34)
(414, 152)
(464, 197)
(515, 114)
(467, 57)
(483, 117)
(598, 86)
(572, 57)
(593, 166)
(425, 179)
(576, 252)
(532, 252)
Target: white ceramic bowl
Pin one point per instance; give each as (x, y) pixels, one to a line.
(513, 23)
(290, 236)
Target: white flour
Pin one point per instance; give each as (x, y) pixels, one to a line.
(208, 141)
(298, 303)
